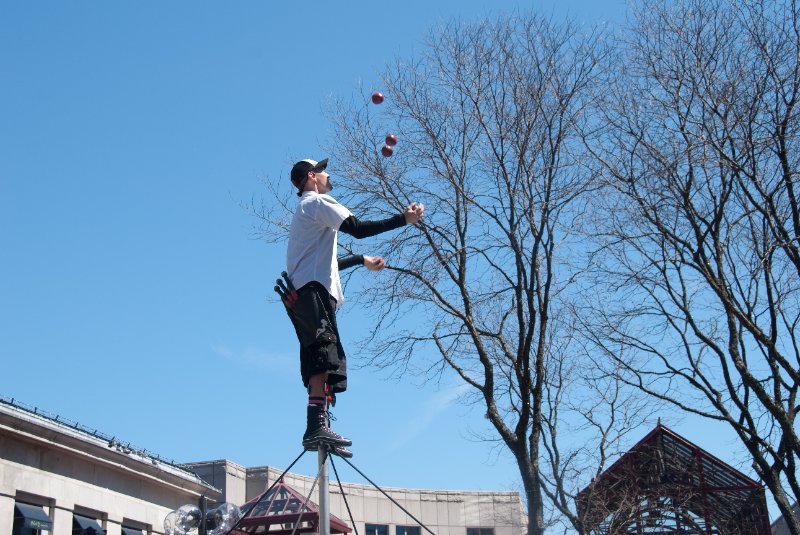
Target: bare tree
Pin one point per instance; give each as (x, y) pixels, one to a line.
(701, 249)
(589, 418)
(488, 120)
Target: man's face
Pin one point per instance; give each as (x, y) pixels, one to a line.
(323, 181)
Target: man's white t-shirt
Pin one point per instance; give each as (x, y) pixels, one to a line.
(311, 254)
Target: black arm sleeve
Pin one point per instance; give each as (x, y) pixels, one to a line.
(347, 262)
(365, 229)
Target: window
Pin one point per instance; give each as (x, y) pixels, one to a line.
(480, 531)
(377, 529)
(408, 530)
(134, 527)
(83, 525)
(30, 519)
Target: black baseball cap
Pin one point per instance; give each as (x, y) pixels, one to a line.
(300, 171)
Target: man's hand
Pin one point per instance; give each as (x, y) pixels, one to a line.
(414, 213)
(374, 263)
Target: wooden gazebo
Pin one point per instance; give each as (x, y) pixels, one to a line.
(667, 485)
(282, 512)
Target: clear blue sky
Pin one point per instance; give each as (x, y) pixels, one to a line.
(134, 299)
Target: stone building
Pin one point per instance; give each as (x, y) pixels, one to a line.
(444, 512)
(779, 527)
(58, 477)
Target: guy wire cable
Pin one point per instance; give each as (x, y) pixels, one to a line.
(344, 496)
(390, 498)
(265, 493)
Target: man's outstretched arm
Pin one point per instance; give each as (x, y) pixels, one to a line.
(365, 229)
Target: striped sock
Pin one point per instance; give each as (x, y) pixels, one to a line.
(316, 401)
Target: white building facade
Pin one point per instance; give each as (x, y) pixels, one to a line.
(59, 478)
(444, 512)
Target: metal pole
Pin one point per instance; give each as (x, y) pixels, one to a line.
(324, 496)
(201, 529)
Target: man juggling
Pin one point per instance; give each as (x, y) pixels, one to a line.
(315, 292)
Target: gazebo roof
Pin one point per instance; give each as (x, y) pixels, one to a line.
(664, 479)
(280, 510)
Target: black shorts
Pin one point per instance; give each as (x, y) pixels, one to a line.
(314, 320)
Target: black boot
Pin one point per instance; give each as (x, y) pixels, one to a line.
(317, 430)
(341, 451)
